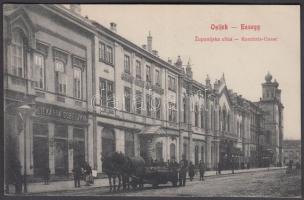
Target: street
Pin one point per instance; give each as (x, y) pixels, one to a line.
(273, 183)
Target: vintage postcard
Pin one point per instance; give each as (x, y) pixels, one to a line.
(152, 100)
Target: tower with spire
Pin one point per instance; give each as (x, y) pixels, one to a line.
(271, 104)
(189, 69)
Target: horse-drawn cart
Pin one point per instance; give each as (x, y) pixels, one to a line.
(158, 175)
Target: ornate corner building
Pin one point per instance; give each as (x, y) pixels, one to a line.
(92, 92)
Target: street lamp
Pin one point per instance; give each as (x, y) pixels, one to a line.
(24, 110)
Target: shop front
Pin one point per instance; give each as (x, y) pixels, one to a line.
(59, 139)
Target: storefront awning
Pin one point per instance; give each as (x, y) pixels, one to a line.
(152, 130)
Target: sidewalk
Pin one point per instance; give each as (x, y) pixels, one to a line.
(69, 185)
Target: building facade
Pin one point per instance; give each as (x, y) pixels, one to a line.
(291, 151)
(93, 92)
(48, 63)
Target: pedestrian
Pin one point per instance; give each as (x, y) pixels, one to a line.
(298, 166)
(46, 175)
(77, 175)
(219, 167)
(202, 170)
(174, 167)
(18, 179)
(89, 174)
(87, 171)
(191, 171)
(183, 172)
(248, 165)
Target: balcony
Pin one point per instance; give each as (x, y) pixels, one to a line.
(139, 83)
(148, 85)
(157, 89)
(127, 77)
(19, 84)
(128, 116)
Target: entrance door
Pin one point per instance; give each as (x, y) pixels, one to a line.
(61, 150)
(40, 148)
(196, 155)
(172, 151)
(108, 141)
(61, 157)
(159, 151)
(78, 146)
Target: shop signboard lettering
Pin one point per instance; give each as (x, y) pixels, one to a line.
(60, 112)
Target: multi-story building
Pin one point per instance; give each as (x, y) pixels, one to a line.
(291, 151)
(93, 92)
(48, 66)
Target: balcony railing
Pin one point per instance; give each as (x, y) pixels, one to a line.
(130, 116)
(127, 77)
(157, 89)
(19, 84)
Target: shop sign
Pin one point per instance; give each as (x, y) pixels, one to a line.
(60, 112)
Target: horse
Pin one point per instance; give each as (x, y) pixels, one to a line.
(131, 167)
(137, 169)
(112, 166)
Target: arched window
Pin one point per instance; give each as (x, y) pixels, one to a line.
(202, 116)
(212, 117)
(196, 115)
(202, 154)
(60, 77)
(17, 54)
(237, 129)
(184, 104)
(224, 119)
(159, 151)
(185, 151)
(172, 151)
(108, 141)
(129, 143)
(228, 121)
(196, 155)
(219, 119)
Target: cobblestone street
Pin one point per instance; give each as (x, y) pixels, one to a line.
(274, 183)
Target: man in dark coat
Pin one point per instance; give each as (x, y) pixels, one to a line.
(202, 170)
(191, 171)
(77, 175)
(174, 167)
(183, 172)
(219, 167)
(46, 175)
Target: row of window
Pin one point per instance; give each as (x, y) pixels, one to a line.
(106, 91)
(106, 53)
(18, 60)
(138, 70)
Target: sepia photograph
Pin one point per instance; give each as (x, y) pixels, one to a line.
(152, 100)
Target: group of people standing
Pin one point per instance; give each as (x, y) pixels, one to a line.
(185, 167)
(82, 172)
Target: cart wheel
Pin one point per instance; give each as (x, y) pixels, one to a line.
(154, 185)
(174, 183)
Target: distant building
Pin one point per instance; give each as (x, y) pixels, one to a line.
(291, 151)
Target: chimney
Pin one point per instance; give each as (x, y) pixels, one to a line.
(113, 27)
(149, 42)
(75, 8)
(144, 46)
(169, 61)
(155, 53)
(179, 62)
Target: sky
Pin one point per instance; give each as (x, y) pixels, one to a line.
(244, 63)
